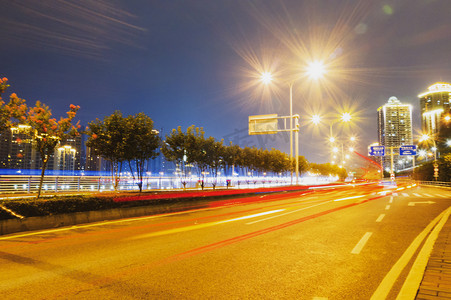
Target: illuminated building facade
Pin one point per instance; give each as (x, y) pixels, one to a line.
(394, 130)
(16, 151)
(435, 107)
(65, 159)
(94, 162)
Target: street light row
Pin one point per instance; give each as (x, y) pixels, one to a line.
(315, 70)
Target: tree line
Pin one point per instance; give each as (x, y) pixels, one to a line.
(132, 140)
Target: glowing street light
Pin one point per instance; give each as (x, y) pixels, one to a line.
(316, 69)
(331, 139)
(346, 117)
(424, 137)
(316, 119)
(266, 77)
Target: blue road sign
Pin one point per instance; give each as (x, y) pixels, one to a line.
(408, 150)
(376, 151)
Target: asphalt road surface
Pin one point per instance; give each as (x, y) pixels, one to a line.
(335, 243)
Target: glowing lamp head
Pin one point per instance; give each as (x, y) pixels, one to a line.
(346, 117)
(266, 77)
(447, 118)
(316, 70)
(351, 149)
(316, 119)
(335, 149)
(424, 137)
(352, 138)
(448, 143)
(332, 139)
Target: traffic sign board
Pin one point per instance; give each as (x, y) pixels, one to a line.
(376, 151)
(408, 150)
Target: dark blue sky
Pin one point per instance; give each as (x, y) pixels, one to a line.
(195, 62)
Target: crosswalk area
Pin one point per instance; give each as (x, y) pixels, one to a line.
(444, 194)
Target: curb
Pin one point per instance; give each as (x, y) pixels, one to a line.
(46, 222)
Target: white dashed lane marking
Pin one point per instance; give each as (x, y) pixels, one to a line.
(427, 195)
(361, 243)
(441, 196)
(379, 219)
(415, 194)
(405, 194)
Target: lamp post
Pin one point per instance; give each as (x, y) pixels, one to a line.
(345, 117)
(426, 137)
(315, 70)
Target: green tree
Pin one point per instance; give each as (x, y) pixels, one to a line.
(183, 149)
(12, 113)
(109, 139)
(141, 143)
(231, 156)
(47, 132)
(215, 154)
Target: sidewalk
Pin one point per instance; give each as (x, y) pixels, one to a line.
(436, 283)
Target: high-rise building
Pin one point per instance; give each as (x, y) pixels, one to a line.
(94, 162)
(65, 158)
(435, 107)
(394, 130)
(16, 151)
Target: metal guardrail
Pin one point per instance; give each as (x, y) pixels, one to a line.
(435, 183)
(59, 184)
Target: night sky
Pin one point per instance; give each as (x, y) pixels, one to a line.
(198, 62)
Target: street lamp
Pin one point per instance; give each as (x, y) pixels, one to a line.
(426, 137)
(266, 77)
(315, 70)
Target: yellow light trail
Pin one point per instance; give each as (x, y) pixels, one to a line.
(205, 225)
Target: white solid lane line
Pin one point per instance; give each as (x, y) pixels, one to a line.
(289, 212)
(361, 243)
(348, 198)
(379, 219)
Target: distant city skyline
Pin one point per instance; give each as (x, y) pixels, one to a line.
(196, 62)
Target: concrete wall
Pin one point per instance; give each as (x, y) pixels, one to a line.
(55, 221)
